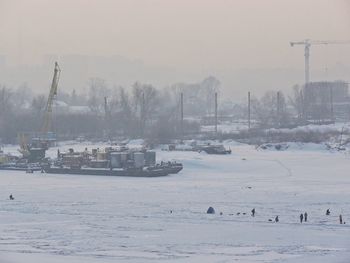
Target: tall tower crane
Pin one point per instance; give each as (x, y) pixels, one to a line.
(307, 44)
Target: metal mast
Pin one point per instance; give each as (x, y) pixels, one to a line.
(216, 112)
(53, 92)
(307, 45)
(248, 110)
(182, 114)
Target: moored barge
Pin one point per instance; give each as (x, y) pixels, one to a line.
(111, 162)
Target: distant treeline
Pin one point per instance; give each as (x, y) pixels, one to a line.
(140, 111)
(107, 112)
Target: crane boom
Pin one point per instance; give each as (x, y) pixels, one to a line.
(307, 44)
(53, 92)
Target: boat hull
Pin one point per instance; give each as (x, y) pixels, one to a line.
(108, 172)
(13, 167)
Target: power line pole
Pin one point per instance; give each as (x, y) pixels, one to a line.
(142, 115)
(249, 110)
(107, 130)
(216, 112)
(106, 107)
(182, 113)
(278, 109)
(302, 105)
(331, 100)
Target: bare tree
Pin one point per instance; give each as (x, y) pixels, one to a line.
(145, 100)
(210, 86)
(22, 97)
(38, 105)
(5, 100)
(296, 101)
(97, 91)
(6, 113)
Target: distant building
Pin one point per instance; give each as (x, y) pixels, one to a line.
(61, 107)
(325, 100)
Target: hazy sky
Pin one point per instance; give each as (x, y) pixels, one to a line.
(196, 35)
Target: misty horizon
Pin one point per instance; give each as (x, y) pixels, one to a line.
(245, 44)
(120, 71)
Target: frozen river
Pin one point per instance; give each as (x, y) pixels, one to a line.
(65, 218)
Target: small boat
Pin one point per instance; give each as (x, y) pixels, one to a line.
(214, 149)
(172, 167)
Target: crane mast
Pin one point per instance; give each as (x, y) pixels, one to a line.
(53, 92)
(307, 45)
(36, 150)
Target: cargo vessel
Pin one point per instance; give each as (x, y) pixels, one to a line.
(111, 162)
(30, 161)
(133, 172)
(19, 166)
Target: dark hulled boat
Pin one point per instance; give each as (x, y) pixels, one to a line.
(111, 162)
(133, 172)
(21, 166)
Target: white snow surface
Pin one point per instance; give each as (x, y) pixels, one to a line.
(76, 218)
(236, 127)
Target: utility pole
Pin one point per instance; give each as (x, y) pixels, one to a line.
(142, 115)
(331, 100)
(278, 109)
(106, 116)
(302, 105)
(106, 107)
(182, 114)
(249, 110)
(216, 112)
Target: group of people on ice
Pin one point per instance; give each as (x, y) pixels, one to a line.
(328, 212)
(211, 210)
(303, 216)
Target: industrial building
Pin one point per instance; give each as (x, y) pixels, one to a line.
(326, 100)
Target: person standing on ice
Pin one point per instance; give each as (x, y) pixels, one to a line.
(305, 217)
(253, 212)
(328, 212)
(210, 210)
(340, 219)
(301, 217)
(276, 219)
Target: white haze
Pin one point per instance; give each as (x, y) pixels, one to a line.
(243, 43)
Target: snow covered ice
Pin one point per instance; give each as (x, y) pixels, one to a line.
(67, 218)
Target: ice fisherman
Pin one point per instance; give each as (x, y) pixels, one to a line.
(276, 219)
(11, 197)
(210, 210)
(340, 219)
(305, 217)
(253, 212)
(301, 217)
(328, 212)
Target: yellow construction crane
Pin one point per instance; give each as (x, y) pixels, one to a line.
(53, 92)
(36, 150)
(307, 44)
